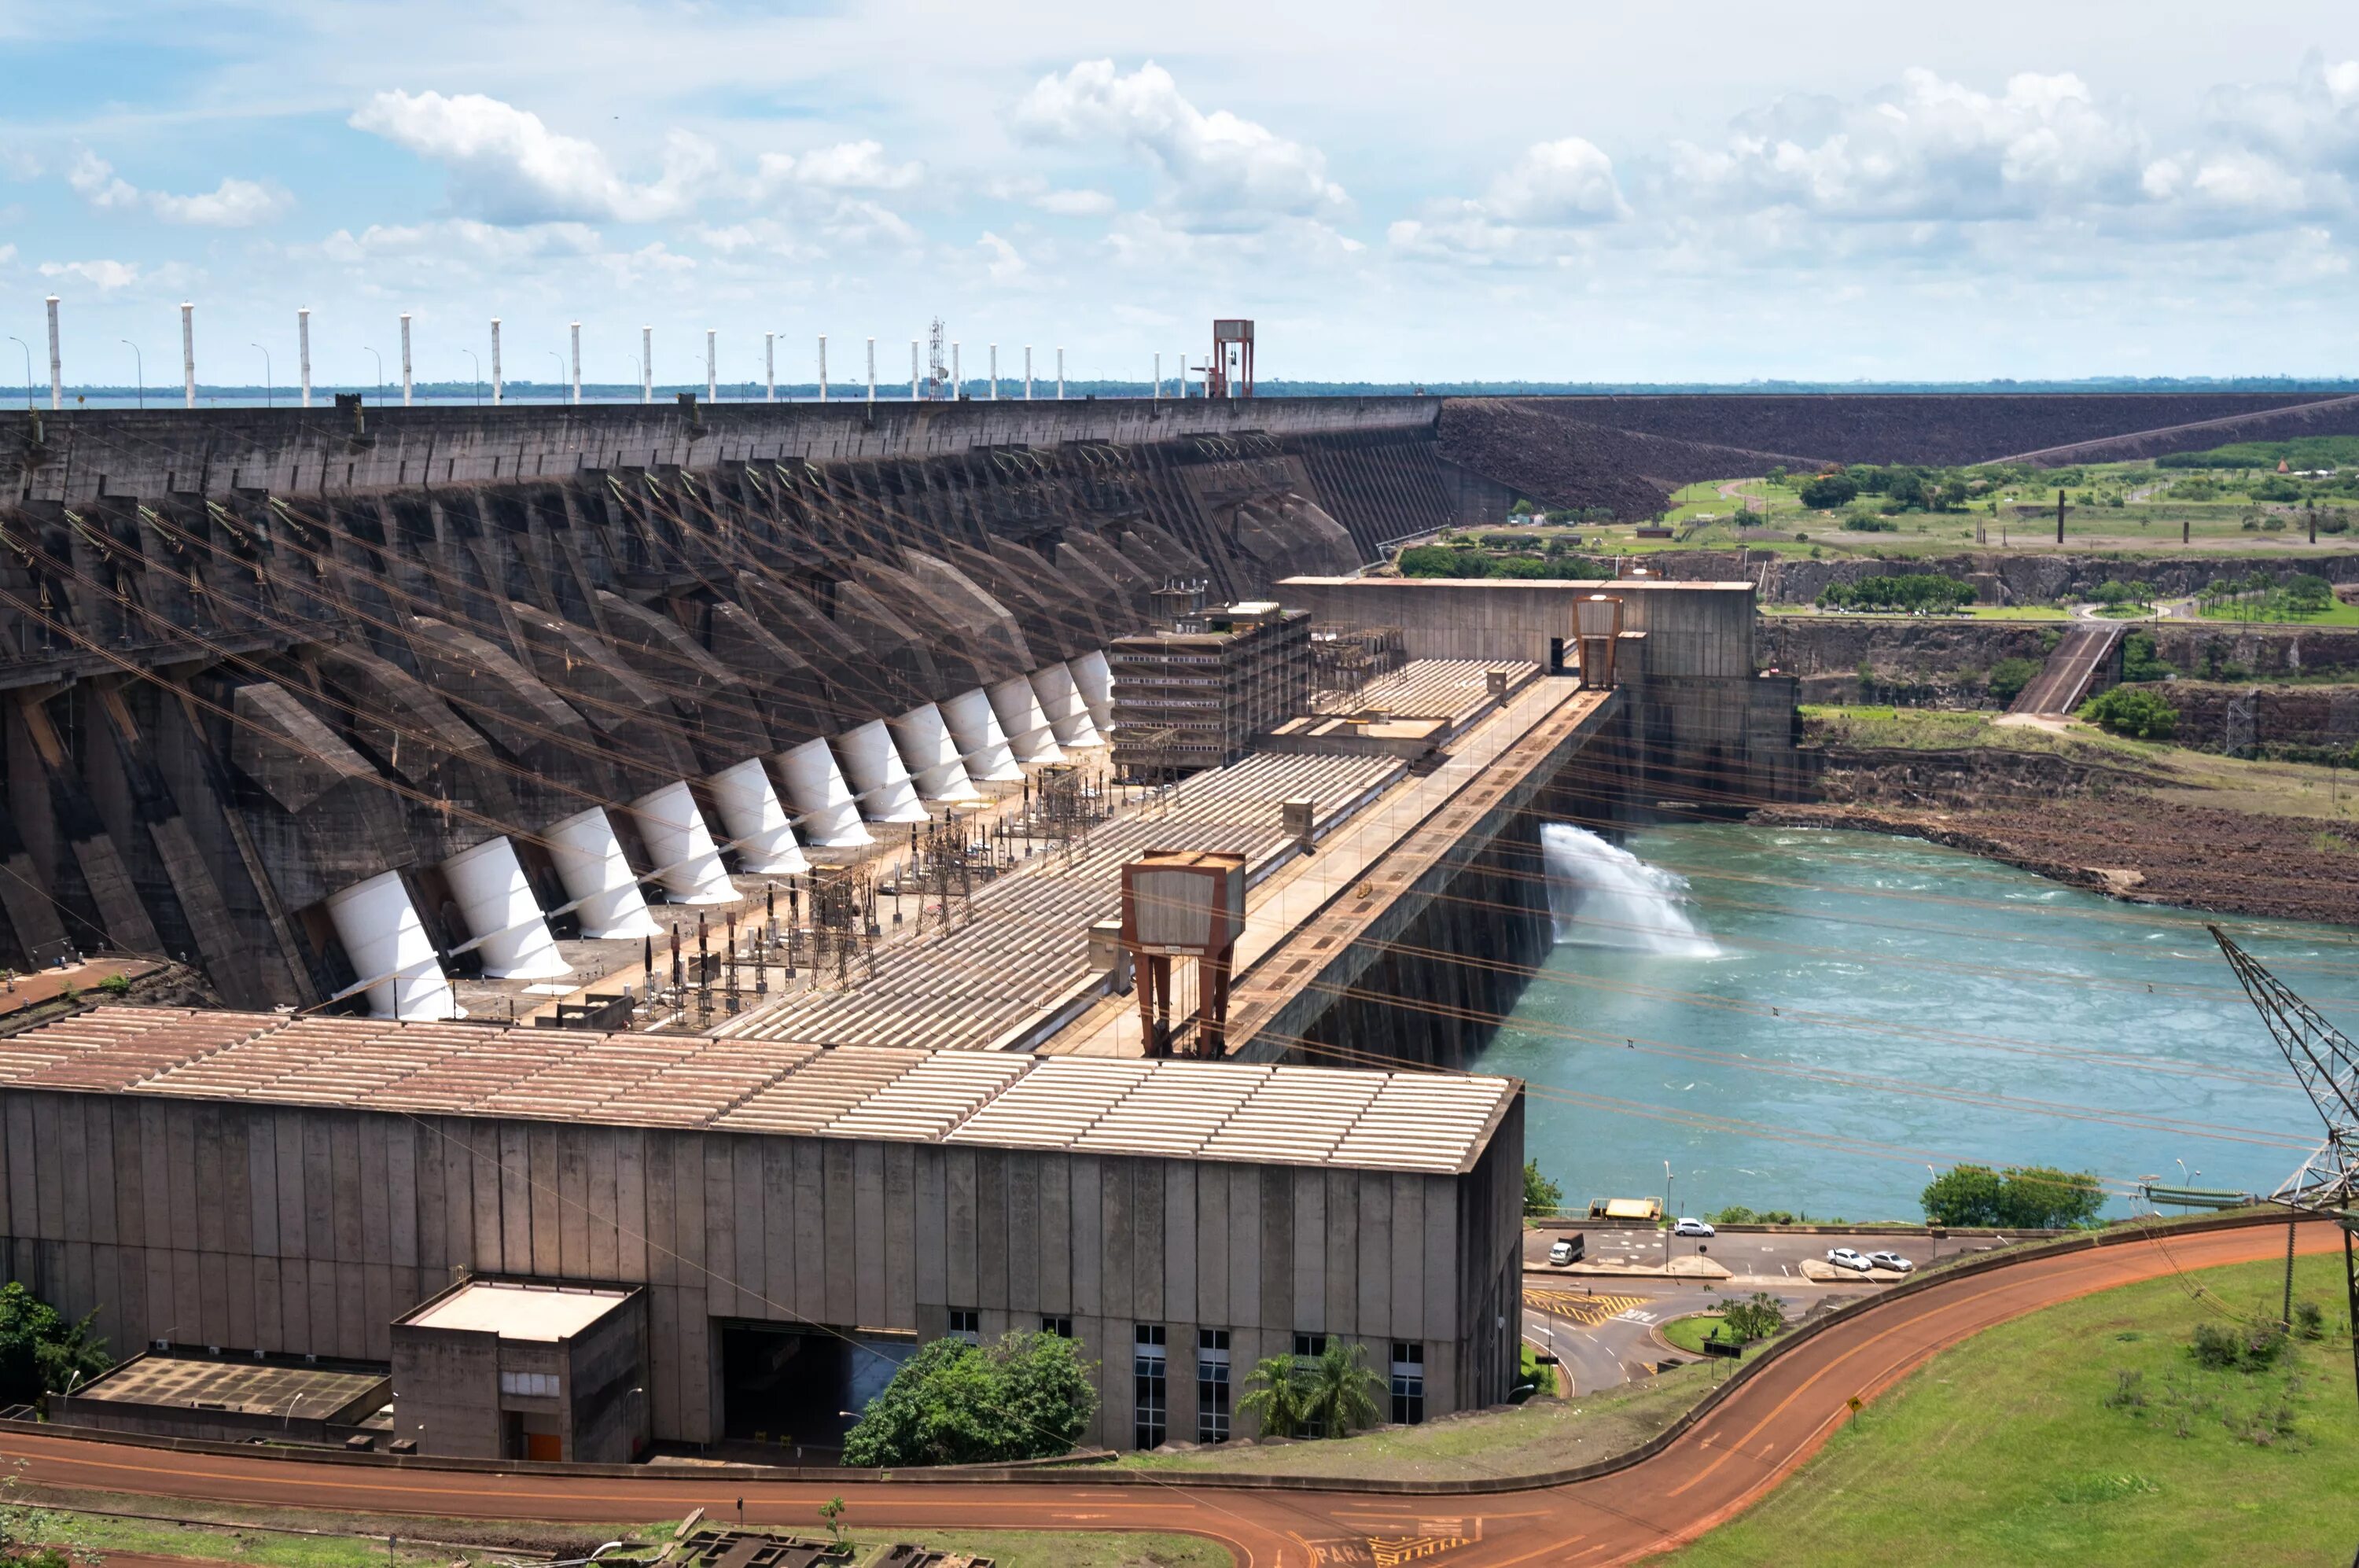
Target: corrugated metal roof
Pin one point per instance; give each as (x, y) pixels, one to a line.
(1204, 1110)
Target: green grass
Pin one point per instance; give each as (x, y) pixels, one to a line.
(2338, 614)
(1690, 1333)
(1544, 1434)
(2005, 1451)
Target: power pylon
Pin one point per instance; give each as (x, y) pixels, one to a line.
(2326, 1064)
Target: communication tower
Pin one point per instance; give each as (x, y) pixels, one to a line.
(938, 370)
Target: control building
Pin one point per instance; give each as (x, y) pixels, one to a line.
(745, 1236)
(1193, 694)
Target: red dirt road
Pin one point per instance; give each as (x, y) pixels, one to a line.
(1718, 1467)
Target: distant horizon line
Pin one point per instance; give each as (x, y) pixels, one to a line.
(169, 394)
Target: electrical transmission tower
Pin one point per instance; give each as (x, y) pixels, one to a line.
(2326, 1064)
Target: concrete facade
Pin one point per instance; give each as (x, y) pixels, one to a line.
(312, 1229)
(497, 1390)
(1699, 726)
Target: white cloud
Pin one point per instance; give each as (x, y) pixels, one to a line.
(231, 204)
(466, 239)
(507, 167)
(847, 165)
(17, 164)
(106, 276)
(1225, 172)
(1035, 191)
(1522, 218)
(7, 254)
(1000, 258)
(96, 181)
(1928, 149)
(1559, 184)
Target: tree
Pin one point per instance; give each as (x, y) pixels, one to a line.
(1028, 1397)
(1963, 1196)
(2027, 1197)
(2041, 1197)
(40, 1352)
(1756, 1317)
(1542, 1196)
(1277, 1395)
(1342, 1388)
(2132, 711)
(1827, 491)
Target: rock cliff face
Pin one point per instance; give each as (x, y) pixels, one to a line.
(250, 660)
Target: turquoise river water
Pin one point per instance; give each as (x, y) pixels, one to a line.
(1806, 1019)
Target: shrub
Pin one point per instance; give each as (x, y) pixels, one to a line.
(1869, 523)
(2252, 1347)
(2139, 661)
(2273, 523)
(116, 984)
(2008, 677)
(1028, 1397)
(2309, 1320)
(2132, 711)
(40, 1350)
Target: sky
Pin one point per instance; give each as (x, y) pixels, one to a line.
(1567, 191)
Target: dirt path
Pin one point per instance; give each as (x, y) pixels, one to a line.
(1727, 1460)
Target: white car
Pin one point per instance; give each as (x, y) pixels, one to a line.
(1689, 1226)
(1561, 1254)
(1893, 1261)
(1849, 1257)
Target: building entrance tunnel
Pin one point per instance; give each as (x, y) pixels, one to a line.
(785, 1387)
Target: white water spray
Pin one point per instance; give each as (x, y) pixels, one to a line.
(1604, 896)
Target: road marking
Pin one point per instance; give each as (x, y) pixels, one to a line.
(1586, 1310)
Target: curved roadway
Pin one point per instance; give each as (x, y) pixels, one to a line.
(1723, 1464)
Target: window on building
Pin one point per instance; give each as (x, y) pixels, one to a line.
(530, 1385)
(1062, 1327)
(966, 1324)
(1149, 1370)
(1308, 1348)
(1212, 1385)
(1408, 1383)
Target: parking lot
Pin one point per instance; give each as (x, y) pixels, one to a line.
(1598, 1316)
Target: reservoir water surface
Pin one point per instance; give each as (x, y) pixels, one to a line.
(1807, 1019)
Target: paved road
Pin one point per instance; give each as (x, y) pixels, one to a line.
(1769, 1425)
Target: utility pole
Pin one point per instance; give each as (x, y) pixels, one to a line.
(2059, 515)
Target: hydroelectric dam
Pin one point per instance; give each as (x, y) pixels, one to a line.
(820, 877)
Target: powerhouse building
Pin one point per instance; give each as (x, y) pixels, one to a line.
(777, 1224)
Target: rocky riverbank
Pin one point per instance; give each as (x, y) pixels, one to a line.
(2139, 849)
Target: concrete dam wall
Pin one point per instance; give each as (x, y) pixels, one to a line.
(254, 662)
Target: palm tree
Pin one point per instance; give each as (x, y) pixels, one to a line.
(1276, 1393)
(1342, 1389)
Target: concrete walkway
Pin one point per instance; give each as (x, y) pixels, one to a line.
(1280, 906)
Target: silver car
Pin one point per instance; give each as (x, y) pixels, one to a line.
(1891, 1260)
(1693, 1227)
(1849, 1257)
